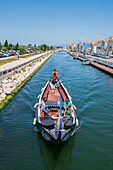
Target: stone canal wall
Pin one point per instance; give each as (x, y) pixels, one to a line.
(13, 82)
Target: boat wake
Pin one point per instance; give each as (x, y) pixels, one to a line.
(75, 130)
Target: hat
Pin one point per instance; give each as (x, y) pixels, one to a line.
(54, 69)
(67, 100)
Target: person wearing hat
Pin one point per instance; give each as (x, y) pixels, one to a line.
(42, 106)
(54, 76)
(68, 111)
(66, 103)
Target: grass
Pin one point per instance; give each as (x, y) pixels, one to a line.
(2, 62)
(30, 55)
(9, 97)
(26, 56)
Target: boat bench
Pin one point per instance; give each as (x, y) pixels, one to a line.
(52, 104)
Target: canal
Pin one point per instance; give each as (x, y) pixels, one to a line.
(91, 147)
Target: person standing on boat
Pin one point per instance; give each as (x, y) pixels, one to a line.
(54, 76)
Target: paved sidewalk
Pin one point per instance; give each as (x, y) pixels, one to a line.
(13, 64)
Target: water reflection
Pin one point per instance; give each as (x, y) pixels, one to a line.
(56, 155)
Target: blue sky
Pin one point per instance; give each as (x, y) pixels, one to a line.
(55, 22)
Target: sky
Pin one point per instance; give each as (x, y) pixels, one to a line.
(55, 22)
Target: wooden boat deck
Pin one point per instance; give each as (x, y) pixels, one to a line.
(54, 113)
(54, 95)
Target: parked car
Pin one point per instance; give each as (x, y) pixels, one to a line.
(104, 56)
(110, 56)
(96, 54)
(5, 54)
(92, 53)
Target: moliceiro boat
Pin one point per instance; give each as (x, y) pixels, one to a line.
(52, 119)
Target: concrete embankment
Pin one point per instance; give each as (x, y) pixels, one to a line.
(14, 81)
(95, 63)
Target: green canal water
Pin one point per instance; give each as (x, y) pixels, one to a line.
(90, 148)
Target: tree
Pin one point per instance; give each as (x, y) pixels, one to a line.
(10, 46)
(22, 50)
(4, 49)
(32, 48)
(16, 47)
(37, 48)
(34, 45)
(6, 44)
(0, 45)
(29, 45)
(48, 48)
(51, 48)
(43, 47)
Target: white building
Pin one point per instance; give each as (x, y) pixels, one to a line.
(94, 47)
(110, 45)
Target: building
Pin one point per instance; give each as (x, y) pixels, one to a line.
(94, 47)
(110, 45)
(86, 47)
(71, 47)
(100, 46)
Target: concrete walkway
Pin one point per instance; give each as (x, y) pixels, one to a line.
(21, 61)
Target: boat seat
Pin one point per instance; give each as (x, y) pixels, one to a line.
(53, 108)
(52, 103)
(47, 122)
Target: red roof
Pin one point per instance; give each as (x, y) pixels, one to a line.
(99, 41)
(71, 45)
(87, 42)
(112, 37)
(95, 44)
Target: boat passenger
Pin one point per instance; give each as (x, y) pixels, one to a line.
(58, 83)
(55, 73)
(54, 76)
(43, 106)
(67, 103)
(69, 111)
